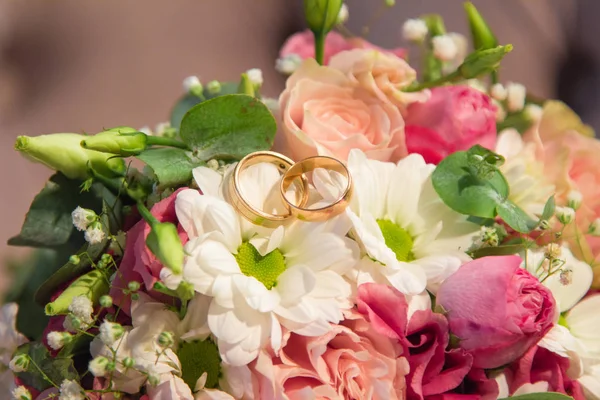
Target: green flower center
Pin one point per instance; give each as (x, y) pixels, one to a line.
(397, 239)
(197, 358)
(265, 269)
(563, 321)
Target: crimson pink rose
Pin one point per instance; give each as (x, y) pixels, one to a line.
(453, 119)
(496, 309)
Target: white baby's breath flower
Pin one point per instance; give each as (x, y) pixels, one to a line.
(288, 64)
(161, 128)
(444, 47)
(574, 199)
(565, 214)
(94, 233)
(533, 112)
(146, 130)
(19, 363)
(21, 393)
(255, 76)
(414, 30)
(110, 332)
(97, 366)
(500, 111)
(82, 217)
(57, 340)
(515, 96)
(81, 307)
(594, 228)
(498, 92)
(71, 390)
(343, 15)
(191, 83)
(10, 339)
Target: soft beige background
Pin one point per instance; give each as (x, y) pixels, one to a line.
(80, 65)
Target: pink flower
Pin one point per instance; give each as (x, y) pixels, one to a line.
(455, 118)
(138, 263)
(303, 45)
(541, 365)
(325, 113)
(496, 309)
(433, 370)
(352, 361)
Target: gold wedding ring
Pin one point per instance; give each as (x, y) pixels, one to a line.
(298, 170)
(247, 210)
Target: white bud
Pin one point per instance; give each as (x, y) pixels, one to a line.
(165, 339)
(70, 390)
(19, 363)
(498, 92)
(594, 228)
(500, 111)
(110, 332)
(81, 307)
(161, 127)
(98, 366)
(343, 15)
(191, 84)
(552, 251)
(288, 64)
(82, 218)
(444, 48)
(58, 340)
(414, 30)
(146, 130)
(565, 214)
(574, 199)
(21, 393)
(213, 87)
(533, 112)
(255, 76)
(94, 233)
(515, 96)
(153, 375)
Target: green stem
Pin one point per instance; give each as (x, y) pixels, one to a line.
(454, 76)
(320, 46)
(494, 77)
(147, 215)
(163, 141)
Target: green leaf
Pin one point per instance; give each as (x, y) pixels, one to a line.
(228, 127)
(497, 250)
(515, 217)
(48, 222)
(79, 344)
(188, 101)
(462, 190)
(172, 167)
(549, 209)
(56, 369)
(541, 396)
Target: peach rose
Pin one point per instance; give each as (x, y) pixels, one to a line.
(352, 361)
(325, 113)
(383, 75)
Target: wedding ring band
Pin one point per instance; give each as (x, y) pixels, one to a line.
(298, 170)
(248, 211)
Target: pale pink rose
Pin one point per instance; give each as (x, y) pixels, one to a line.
(352, 361)
(303, 45)
(324, 113)
(496, 309)
(453, 119)
(383, 75)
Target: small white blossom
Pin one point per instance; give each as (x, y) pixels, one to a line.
(533, 112)
(574, 199)
(191, 83)
(288, 64)
(57, 340)
(444, 48)
(21, 393)
(414, 30)
(82, 308)
(19, 363)
(82, 217)
(70, 390)
(515, 96)
(161, 127)
(500, 111)
(498, 92)
(553, 250)
(110, 332)
(565, 214)
(594, 228)
(255, 76)
(98, 366)
(146, 130)
(94, 233)
(343, 15)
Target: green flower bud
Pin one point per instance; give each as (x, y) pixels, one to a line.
(74, 259)
(482, 62)
(165, 339)
(163, 241)
(128, 362)
(63, 152)
(321, 15)
(117, 142)
(246, 86)
(91, 285)
(213, 87)
(482, 35)
(106, 301)
(134, 286)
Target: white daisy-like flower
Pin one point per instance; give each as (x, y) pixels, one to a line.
(529, 189)
(412, 240)
(10, 339)
(260, 279)
(71, 390)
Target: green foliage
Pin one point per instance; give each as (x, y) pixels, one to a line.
(541, 396)
(172, 167)
(56, 369)
(481, 34)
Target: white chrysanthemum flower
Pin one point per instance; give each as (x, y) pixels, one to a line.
(410, 237)
(82, 217)
(255, 76)
(288, 64)
(82, 308)
(444, 47)
(515, 96)
(71, 390)
(110, 332)
(529, 188)
(260, 279)
(94, 233)
(414, 30)
(10, 339)
(21, 393)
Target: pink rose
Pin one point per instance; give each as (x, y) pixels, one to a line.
(352, 361)
(433, 370)
(138, 263)
(324, 113)
(496, 309)
(382, 75)
(303, 45)
(455, 118)
(541, 365)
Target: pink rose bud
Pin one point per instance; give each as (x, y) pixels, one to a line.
(455, 118)
(496, 309)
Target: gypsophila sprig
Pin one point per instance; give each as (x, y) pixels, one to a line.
(19, 363)
(71, 390)
(21, 393)
(110, 332)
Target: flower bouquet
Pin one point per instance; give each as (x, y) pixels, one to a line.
(430, 235)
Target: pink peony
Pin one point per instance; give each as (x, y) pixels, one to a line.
(138, 263)
(455, 118)
(496, 309)
(352, 361)
(325, 113)
(541, 365)
(303, 45)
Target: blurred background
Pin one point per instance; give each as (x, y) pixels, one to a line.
(79, 66)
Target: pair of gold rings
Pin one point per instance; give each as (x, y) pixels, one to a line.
(292, 174)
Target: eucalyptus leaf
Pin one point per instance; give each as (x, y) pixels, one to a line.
(549, 208)
(189, 100)
(228, 127)
(56, 369)
(541, 396)
(515, 217)
(172, 167)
